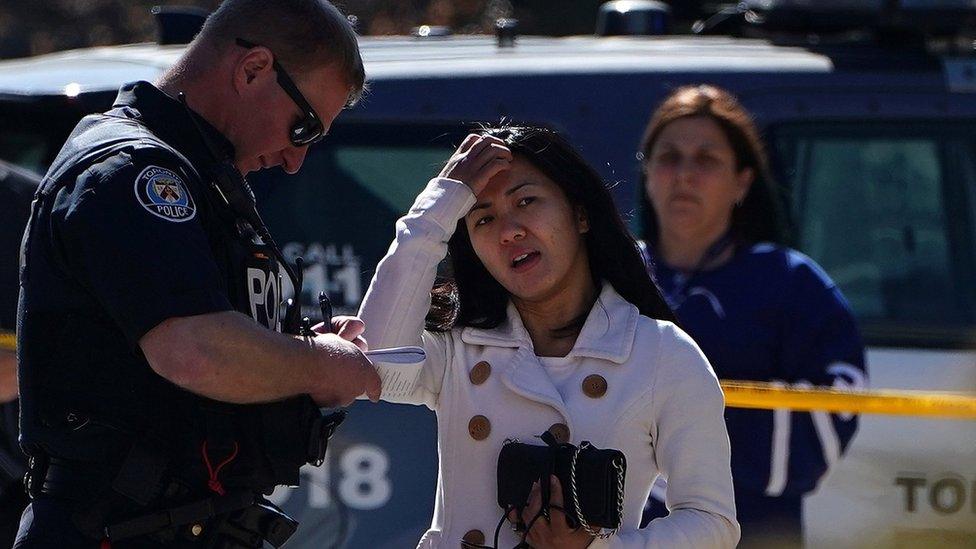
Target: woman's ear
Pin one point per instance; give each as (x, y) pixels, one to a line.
(582, 220)
(743, 180)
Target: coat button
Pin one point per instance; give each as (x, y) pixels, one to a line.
(595, 386)
(560, 431)
(476, 537)
(479, 374)
(196, 529)
(479, 427)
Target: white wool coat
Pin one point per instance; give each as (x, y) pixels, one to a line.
(663, 407)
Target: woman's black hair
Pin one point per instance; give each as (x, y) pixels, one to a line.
(472, 297)
(760, 217)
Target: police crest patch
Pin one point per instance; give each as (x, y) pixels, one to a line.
(163, 194)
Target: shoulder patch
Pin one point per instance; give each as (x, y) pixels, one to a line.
(163, 194)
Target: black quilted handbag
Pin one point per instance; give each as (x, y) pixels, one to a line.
(592, 480)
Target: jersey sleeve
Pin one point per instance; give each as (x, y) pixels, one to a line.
(821, 346)
(130, 231)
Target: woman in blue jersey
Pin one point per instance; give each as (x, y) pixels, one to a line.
(714, 233)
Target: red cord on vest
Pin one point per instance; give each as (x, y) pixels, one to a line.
(106, 544)
(214, 483)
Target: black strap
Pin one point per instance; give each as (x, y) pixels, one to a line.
(322, 430)
(549, 439)
(180, 516)
(544, 483)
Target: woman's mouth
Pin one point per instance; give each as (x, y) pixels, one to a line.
(525, 261)
(684, 198)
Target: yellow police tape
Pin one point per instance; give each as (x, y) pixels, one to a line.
(753, 394)
(8, 341)
(767, 396)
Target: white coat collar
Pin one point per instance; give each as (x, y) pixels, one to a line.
(608, 332)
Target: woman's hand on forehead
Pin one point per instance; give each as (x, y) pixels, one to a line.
(477, 160)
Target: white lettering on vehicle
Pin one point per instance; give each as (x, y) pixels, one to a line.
(363, 482)
(328, 268)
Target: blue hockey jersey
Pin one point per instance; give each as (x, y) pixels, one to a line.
(772, 314)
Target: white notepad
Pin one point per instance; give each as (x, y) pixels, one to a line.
(399, 369)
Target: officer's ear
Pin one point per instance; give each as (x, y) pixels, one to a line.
(256, 66)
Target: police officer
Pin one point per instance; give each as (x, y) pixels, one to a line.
(158, 401)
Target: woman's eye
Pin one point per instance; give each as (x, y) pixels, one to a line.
(707, 160)
(668, 158)
(482, 220)
(526, 201)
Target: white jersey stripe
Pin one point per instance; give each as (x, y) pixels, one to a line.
(780, 455)
(829, 440)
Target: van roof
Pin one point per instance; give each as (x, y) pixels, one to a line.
(103, 69)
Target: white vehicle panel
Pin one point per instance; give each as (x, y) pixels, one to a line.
(904, 482)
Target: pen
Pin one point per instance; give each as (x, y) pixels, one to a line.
(325, 305)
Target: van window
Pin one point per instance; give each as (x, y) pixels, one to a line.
(34, 129)
(886, 210)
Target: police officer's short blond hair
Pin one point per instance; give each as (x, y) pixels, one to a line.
(303, 34)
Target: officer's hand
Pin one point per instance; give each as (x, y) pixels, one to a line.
(477, 160)
(346, 373)
(350, 328)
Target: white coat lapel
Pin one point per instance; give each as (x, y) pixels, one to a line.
(526, 376)
(608, 334)
(610, 328)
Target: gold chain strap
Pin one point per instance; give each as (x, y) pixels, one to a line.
(579, 508)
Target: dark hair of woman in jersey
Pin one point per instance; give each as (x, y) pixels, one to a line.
(760, 217)
(472, 297)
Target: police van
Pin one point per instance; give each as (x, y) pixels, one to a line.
(869, 112)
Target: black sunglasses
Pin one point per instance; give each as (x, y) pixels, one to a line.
(309, 129)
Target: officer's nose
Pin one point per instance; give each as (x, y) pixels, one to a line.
(293, 158)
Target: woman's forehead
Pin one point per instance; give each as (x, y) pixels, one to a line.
(694, 131)
(521, 174)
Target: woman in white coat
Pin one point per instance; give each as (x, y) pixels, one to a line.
(549, 322)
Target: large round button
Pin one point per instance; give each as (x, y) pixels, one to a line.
(560, 431)
(479, 374)
(594, 386)
(479, 427)
(476, 537)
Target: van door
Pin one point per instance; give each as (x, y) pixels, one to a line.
(886, 207)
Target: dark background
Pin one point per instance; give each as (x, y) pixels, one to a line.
(33, 27)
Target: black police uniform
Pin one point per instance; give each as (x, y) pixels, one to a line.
(126, 232)
(16, 190)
